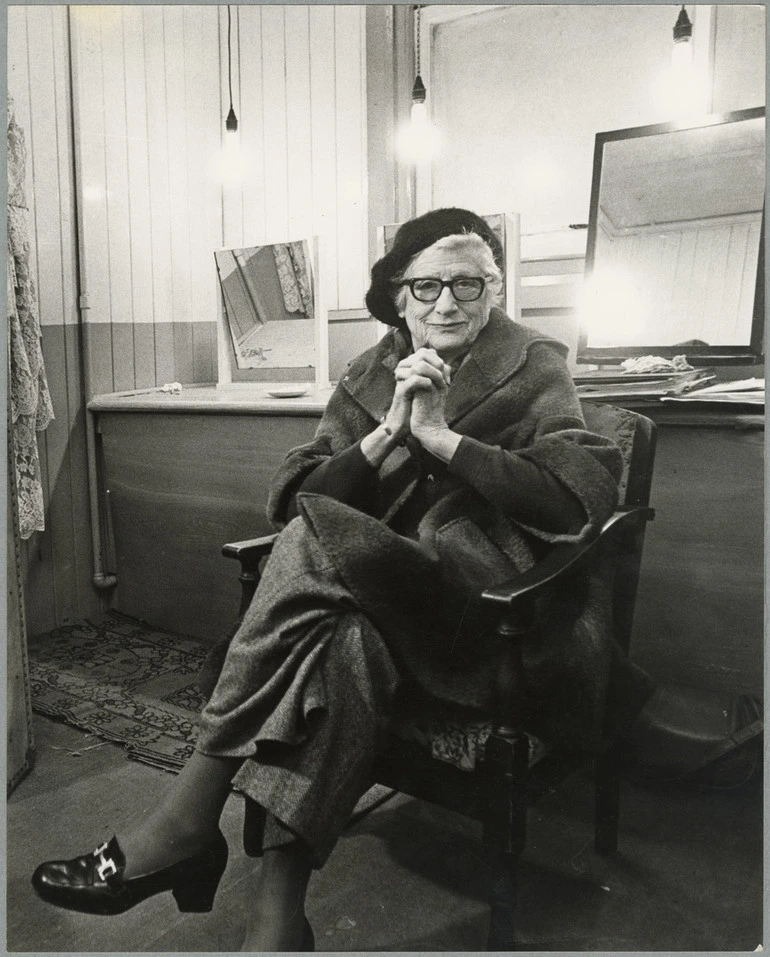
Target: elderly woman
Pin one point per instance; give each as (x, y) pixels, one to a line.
(454, 446)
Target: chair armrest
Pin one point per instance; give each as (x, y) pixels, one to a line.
(564, 558)
(250, 550)
(249, 553)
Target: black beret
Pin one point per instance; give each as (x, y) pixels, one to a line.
(414, 236)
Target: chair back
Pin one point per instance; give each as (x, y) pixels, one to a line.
(635, 436)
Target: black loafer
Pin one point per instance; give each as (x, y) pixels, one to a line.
(94, 883)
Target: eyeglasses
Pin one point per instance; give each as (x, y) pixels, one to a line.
(464, 288)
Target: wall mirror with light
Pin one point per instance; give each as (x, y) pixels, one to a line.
(272, 316)
(675, 249)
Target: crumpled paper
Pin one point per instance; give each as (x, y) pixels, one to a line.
(656, 364)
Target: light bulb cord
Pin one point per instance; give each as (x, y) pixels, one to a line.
(229, 55)
(231, 123)
(418, 37)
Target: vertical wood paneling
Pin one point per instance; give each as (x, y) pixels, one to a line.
(116, 172)
(274, 118)
(204, 348)
(351, 156)
(138, 192)
(737, 254)
(178, 185)
(165, 358)
(183, 352)
(65, 167)
(88, 600)
(157, 142)
(201, 99)
(746, 304)
(323, 137)
(42, 158)
(298, 112)
(243, 202)
(91, 160)
(97, 344)
(59, 515)
(123, 376)
(682, 308)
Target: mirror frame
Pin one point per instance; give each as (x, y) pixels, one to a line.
(753, 351)
(230, 376)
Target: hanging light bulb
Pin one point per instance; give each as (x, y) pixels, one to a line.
(681, 55)
(232, 160)
(686, 96)
(418, 140)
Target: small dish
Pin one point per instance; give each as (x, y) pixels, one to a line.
(286, 393)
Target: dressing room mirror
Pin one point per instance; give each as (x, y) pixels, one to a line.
(270, 306)
(674, 258)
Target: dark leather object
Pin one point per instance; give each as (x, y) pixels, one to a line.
(94, 883)
(691, 736)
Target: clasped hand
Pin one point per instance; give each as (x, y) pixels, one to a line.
(422, 382)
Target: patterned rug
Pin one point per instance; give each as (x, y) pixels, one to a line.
(123, 681)
(133, 684)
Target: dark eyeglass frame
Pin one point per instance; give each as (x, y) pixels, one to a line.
(446, 282)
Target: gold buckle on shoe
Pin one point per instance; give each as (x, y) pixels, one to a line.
(107, 867)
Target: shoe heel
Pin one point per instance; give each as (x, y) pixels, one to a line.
(196, 888)
(196, 894)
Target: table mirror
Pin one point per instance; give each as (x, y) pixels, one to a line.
(675, 250)
(271, 310)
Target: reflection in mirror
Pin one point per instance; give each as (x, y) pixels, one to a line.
(269, 305)
(674, 239)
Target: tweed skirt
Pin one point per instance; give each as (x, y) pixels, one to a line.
(305, 696)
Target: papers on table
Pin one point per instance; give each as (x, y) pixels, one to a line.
(740, 392)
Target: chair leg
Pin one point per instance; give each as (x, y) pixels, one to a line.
(505, 766)
(502, 902)
(607, 807)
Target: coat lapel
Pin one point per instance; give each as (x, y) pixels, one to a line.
(373, 383)
(497, 354)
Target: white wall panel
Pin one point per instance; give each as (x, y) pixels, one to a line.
(323, 138)
(275, 124)
(351, 153)
(244, 205)
(90, 152)
(157, 160)
(115, 151)
(137, 149)
(299, 105)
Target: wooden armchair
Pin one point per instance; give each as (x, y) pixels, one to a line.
(506, 779)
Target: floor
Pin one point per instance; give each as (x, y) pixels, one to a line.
(407, 877)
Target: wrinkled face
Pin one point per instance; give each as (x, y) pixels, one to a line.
(448, 326)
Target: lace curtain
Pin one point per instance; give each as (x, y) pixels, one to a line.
(294, 277)
(29, 401)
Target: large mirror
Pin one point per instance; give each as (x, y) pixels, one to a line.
(674, 259)
(270, 308)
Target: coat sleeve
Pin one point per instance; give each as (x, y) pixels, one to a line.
(331, 464)
(547, 472)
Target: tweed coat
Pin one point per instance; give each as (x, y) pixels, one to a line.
(432, 536)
